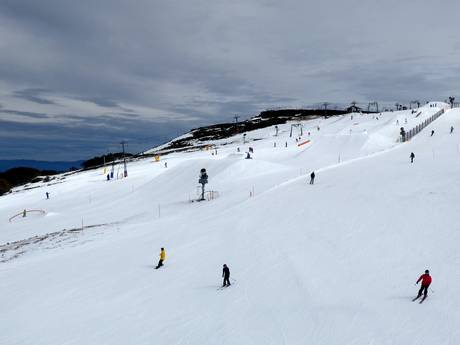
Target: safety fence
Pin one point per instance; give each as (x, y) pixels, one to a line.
(406, 136)
(26, 212)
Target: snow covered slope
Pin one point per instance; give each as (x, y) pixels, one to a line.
(332, 263)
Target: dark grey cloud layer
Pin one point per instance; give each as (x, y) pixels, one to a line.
(161, 67)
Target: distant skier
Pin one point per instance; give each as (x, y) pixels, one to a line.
(426, 281)
(162, 258)
(432, 132)
(108, 177)
(226, 276)
(451, 129)
(248, 155)
(402, 132)
(47, 195)
(412, 156)
(312, 177)
(166, 164)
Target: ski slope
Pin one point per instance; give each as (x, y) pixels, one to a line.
(332, 263)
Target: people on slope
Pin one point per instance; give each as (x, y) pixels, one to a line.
(312, 177)
(426, 281)
(162, 258)
(226, 276)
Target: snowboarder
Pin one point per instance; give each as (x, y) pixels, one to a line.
(451, 129)
(226, 276)
(47, 195)
(412, 156)
(162, 258)
(432, 132)
(426, 281)
(312, 177)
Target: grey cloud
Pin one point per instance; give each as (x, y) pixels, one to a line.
(79, 141)
(108, 103)
(33, 95)
(28, 114)
(205, 61)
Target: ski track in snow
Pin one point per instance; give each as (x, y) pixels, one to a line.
(333, 263)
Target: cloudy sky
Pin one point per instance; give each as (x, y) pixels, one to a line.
(77, 77)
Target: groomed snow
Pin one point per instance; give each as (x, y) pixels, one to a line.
(333, 263)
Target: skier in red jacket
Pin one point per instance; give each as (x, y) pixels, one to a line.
(426, 281)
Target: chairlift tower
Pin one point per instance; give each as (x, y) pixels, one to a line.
(325, 105)
(417, 103)
(373, 105)
(299, 127)
(125, 172)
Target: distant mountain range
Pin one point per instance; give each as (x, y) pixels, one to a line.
(40, 165)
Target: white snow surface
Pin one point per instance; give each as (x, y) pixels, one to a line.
(330, 263)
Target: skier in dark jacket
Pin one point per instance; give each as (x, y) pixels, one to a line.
(426, 281)
(432, 132)
(226, 276)
(312, 177)
(412, 156)
(451, 129)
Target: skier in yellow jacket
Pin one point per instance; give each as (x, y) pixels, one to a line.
(162, 258)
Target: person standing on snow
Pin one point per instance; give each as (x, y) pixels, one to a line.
(432, 132)
(226, 276)
(426, 281)
(312, 177)
(451, 129)
(162, 258)
(412, 156)
(47, 195)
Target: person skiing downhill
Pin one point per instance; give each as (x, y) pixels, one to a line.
(312, 177)
(426, 281)
(451, 129)
(226, 276)
(162, 258)
(412, 156)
